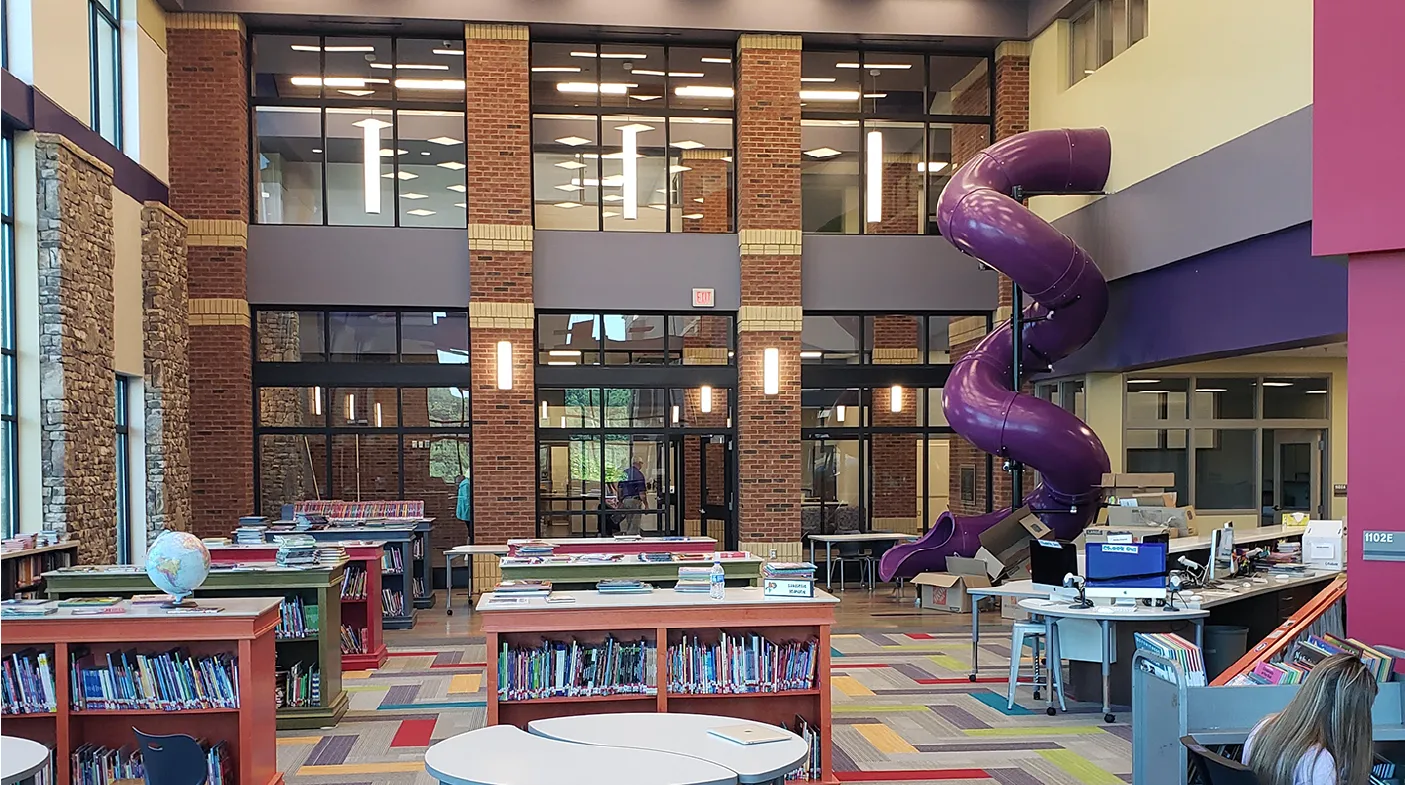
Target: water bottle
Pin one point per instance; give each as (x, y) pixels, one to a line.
(717, 582)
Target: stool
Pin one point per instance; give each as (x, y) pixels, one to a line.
(1032, 634)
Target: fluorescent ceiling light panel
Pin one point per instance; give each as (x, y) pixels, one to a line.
(823, 152)
(811, 355)
(723, 60)
(1278, 384)
(573, 141)
(568, 206)
(356, 93)
(1143, 381)
(445, 140)
(561, 362)
(677, 169)
(877, 66)
(1210, 389)
(457, 187)
(612, 198)
(687, 144)
(873, 205)
(645, 97)
(411, 66)
(455, 165)
(637, 128)
(371, 162)
(698, 199)
(931, 166)
(414, 196)
(629, 143)
(875, 95)
(387, 152)
(568, 187)
(612, 55)
(430, 84)
(313, 48)
(829, 95)
(610, 213)
(565, 352)
(420, 211)
(703, 91)
(556, 69)
(403, 175)
(449, 52)
(824, 79)
(605, 88)
(659, 207)
(1315, 392)
(317, 150)
(571, 165)
(727, 158)
(693, 216)
(642, 72)
(463, 205)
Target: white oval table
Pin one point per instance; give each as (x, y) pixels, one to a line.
(506, 755)
(21, 759)
(682, 734)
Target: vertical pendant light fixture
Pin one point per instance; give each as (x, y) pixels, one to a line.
(504, 365)
(629, 156)
(705, 399)
(371, 161)
(873, 205)
(675, 414)
(771, 371)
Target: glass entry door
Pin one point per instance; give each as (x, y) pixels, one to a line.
(1293, 473)
(717, 493)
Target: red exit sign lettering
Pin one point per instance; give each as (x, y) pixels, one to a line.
(704, 298)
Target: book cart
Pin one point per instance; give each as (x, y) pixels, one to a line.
(360, 596)
(244, 628)
(397, 548)
(316, 589)
(667, 619)
(22, 572)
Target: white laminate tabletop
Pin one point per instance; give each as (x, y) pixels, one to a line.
(21, 759)
(500, 550)
(1241, 537)
(682, 734)
(1023, 589)
(862, 537)
(505, 755)
(689, 540)
(228, 607)
(586, 560)
(658, 598)
(1062, 609)
(1235, 589)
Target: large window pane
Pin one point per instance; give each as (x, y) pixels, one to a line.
(1160, 451)
(829, 175)
(568, 338)
(891, 83)
(433, 468)
(960, 85)
(936, 416)
(360, 167)
(366, 466)
(1151, 398)
(432, 164)
(832, 486)
(646, 408)
(569, 483)
(427, 70)
(700, 78)
(699, 408)
(635, 185)
(1224, 469)
(1083, 33)
(566, 173)
(831, 339)
(435, 407)
(632, 339)
(631, 75)
(700, 339)
(897, 485)
(701, 167)
(1226, 398)
(825, 86)
(106, 74)
(292, 468)
(286, 66)
(293, 407)
(288, 170)
(832, 408)
(894, 183)
(939, 339)
(362, 336)
(893, 339)
(635, 469)
(289, 336)
(564, 75)
(358, 69)
(952, 145)
(434, 337)
(368, 407)
(569, 408)
(1295, 398)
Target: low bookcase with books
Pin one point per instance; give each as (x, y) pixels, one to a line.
(747, 655)
(397, 563)
(422, 581)
(307, 681)
(90, 679)
(22, 571)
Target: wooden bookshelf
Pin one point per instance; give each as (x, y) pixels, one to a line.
(663, 617)
(21, 572)
(318, 585)
(398, 537)
(420, 551)
(244, 627)
(1297, 626)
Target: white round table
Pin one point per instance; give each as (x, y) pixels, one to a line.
(21, 759)
(682, 734)
(505, 755)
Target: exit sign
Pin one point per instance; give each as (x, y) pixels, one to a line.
(704, 298)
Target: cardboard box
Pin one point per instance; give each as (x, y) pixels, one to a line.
(1113, 534)
(1179, 520)
(1162, 499)
(946, 591)
(1005, 546)
(1010, 609)
(1148, 480)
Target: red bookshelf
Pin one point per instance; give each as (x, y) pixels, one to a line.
(243, 628)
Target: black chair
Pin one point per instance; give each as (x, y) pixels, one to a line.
(172, 760)
(1213, 769)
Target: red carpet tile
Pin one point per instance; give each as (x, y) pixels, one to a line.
(413, 733)
(850, 665)
(910, 775)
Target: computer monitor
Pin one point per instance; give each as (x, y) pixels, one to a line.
(1050, 561)
(1126, 571)
(1221, 563)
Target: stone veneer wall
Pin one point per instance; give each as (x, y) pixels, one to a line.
(166, 343)
(77, 386)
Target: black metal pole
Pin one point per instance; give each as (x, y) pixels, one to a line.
(1017, 342)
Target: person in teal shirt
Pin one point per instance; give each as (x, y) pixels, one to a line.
(463, 510)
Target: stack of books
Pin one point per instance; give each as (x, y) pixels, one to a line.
(392, 603)
(743, 663)
(1383, 771)
(691, 557)
(329, 554)
(353, 641)
(45, 538)
(574, 669)
(623, 586)
(533, 548)
(297, 619)
(523, 588)
(214, 542)
(298, 686)
(656, 556)
(27, 608)
(29, 683)
(693, 579)
(170, 681)
(98, 765)
(353, 583)
(788, 570)
(1176, 649)
(250, 533)
(20, 542)
(296, 551)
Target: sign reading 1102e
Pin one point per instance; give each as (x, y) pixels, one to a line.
(1383, 546)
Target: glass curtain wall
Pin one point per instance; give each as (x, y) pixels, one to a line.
(881, 133)
(9, 393)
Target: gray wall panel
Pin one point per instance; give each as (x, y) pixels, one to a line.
(1253, 185)
(358, 265)
(634, 270)
(892, 272)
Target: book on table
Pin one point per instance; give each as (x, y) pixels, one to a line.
(89, 602)
(527, 588)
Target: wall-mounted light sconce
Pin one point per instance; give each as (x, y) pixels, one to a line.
(317, 401)
(771, 371)
(705, 399)
(675, 414)
(504, 365)
(351, 407)
(895, 398)
(873, 204)
(378, 414)
(545, 413)
(839, 412)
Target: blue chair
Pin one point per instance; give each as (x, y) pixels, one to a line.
(172, 760)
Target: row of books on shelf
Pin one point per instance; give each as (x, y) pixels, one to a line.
(695, 579)
(811, 768)
(574, 669)
(39, 539)
(29, 683)
(420, 590)
(741, 664)
(417, 546)
(299, 686)
(1309, 651)
(297, 619)
(170, 681)
(392, 602)
(30, 569)
(99, 765)
(1176, 649)
(353, 639)
(623, 586)
(392, 560)
(353, 583)
(375, 509)
(1383, 772)
(788, 570)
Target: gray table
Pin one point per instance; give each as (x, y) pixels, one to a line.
(466, 551)
(830, 539)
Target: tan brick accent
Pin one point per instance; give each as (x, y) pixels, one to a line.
(204, 22)
(499, 237)
(901, 525)
(768, 41)
(965, 330)
(770, 242)
(487, 571)
(895, 356)
(1013, 49)
(770, 318)
(220, 232)
(219, 310)
(704, 355)
(491, 32)
(1002, 314)
(508, 316)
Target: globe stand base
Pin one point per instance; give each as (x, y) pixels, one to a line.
(181, 603)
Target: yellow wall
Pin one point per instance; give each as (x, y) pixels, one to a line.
(1207, 72)
(50, 51)
(144, 43)
(126, 285)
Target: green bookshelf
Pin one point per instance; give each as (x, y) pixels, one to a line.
(318, 587)
(399, 541)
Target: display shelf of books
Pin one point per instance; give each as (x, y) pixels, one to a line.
(422, 582)
(746, 655)
(396, 582)
(24, 561)
(1324, 613)
(85, 677)
(308, 669)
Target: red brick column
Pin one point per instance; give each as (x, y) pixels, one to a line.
(768, 432)
(208, 111)
(896, 484)
(902, 196)
(703, 191)
(500, 268)
(1011, 107)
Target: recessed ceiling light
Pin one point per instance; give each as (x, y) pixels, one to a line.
(637, 128)
(823, 152)
(659, 206)
(568, 205)
(693, 216)
(420, 211)
(445, 140)
(450, 52)
(698, 199)
(386, 153)
(414, 196)
(411, 66)
(569, 187)
(877, 66)
(687, 144)
(676, 169)
(1278, 384)
(816, 79)
(317, 150)
(1315, 392)
(646, 97)
(612, 198)
(606, 88)
(1210, 389)
(875, 95)
(573, 141)
(609, 181)
(642, 72)
(931, 166)
(403, 175)
(1143, 381)
(430, 84)
(703, 91)
(464, 205)
(612, 55)
(555, 69)
(829, 95)
(670, 74)
(455, 165)
(311, 48)
(457, 187)
(571, 165)
(334, 81)
(264, 194)
(724, 60)
(611, 213)
(424, 152)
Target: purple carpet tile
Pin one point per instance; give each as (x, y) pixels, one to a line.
(911, 671)
(352, 717)
(959, 717)
(978, 746)
(1123, 732)
(331, 751)
(848, 720)
(1012, 777)
(448, 658)
(840, 760)
(877, 638)
(998, 649)
(400, 694)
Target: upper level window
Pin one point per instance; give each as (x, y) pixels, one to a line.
(632, 138)
(359, 131)
(105, 67)
(634, 339)
(881, 133)
(1103, 31)
(875, 339)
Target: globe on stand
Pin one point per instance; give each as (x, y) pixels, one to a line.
(178, 563)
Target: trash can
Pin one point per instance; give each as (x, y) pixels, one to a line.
(1224, 645)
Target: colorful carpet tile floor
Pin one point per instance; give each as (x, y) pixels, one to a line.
(904, 711)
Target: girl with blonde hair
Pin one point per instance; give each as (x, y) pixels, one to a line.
(1323, 736)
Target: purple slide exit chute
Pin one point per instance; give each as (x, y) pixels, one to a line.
(977, 214)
